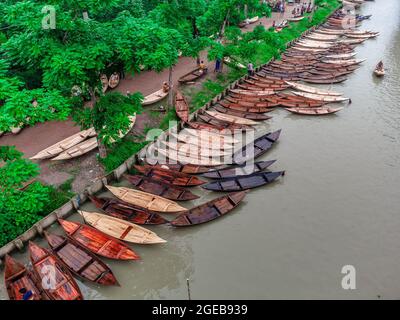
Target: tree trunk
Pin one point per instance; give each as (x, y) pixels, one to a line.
(171, 86)
(102, 149)
(224, 25)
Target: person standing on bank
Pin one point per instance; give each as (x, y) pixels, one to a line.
(250, 69)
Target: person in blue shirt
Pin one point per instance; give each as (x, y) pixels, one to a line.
(26, 294)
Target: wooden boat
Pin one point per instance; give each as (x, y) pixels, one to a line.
(249, 106)
(192, 76)
(228, 61)
(257, 148)
(104, 82)
(61, 286)
(187, 168)
(98, 242)
(154, 97)
(209, 211)
(341, 56)
(258, 93)
(121, 229)
(145, 200)
(313, 90)
(114, 80)
(207, 118)
(245, 115)
(379, 72)
(295, 19)
(321, 97)
(190, 150)
(230, 118)
(239, 170)
(320, 37)
(326, 81)
(344, 62)
(64, 145)
(242, 183)
(17, 277)
(199, 160)
(125, 211)
(161, 189)
(204, 141)
(169, 176)
(181, 107)
(78, 150)
(80, 261)
(205, 126)
(314, 111)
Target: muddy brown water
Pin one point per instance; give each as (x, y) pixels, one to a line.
(337, 205)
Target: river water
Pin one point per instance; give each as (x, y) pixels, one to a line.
(337, 205)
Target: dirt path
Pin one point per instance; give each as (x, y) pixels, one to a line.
(86, 169)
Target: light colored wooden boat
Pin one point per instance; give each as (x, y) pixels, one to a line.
(379, 73)
(228, 61)
(330, 31)
(320, 37)
(206, 134)
(295, 19)
(211, 143)
(121, 229)
(343, 56)
(78, 150)
(305, 49)
(189, 150)
(314, 111)
(196, 161)
(64, 145)
(253, 20)
(320, 97)
(145, 200)
(313, 90)
(230, 118)
(314, 45)
(344, 62)
(154, 97)
(352, 41)
(360, 36)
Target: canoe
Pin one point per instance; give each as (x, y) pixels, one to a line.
(104, 82)
(257, 148)
(125, 211)
(240, 170)
(199, 160)
(61, 285)
(192, 76)
(201, 141)
(209, 211)
(242, 183)
(98, 242)
(314, 111)
(161, 189)
(245, 115)
(253, 93)
(344, 62)
(187, 168)
(17, 276)
(64, 145)
(326, 81)
(190, 150)
(230, 118)
(313, 90)
(295, 19)
(228, 61)
(114, 80)
(379, 73)
(78, 150)
(253, 109)
(321, 97)
(80, 261)
(207, 118)
(206, 126)
(181, 107)
(121, 229)
(165, 175)
(154, 97)
(145, 200)
(226, 137)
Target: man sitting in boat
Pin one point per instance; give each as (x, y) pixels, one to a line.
(165, 87)
(380, 66)
(203, 67)
(26, 294)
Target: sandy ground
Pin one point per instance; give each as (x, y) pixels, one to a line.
(84, 170)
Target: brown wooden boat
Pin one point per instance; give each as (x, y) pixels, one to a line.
(17, 277)
(161, 189)
(326, 81)
(80, 261)
(172, 177)
(207, 118)
(60, 285)
(239, 170)
(242, 183)
(209, 211)
(245, 115)
(204, 126)
(242, 108)
(257, 148)
(192, 76)
(98, 242)
(184, 168)
(267, 102)
(125, 211)
(314, 111)
(181, 107)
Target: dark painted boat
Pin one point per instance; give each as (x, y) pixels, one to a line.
(256, 148)
(98, 242)
(172, 177)
(125, 211)
(242, 183)
(60, 285)
(239, 170)
(245, 115)
(165, 190)
(80, 261)
(209, 211)
(17, 278)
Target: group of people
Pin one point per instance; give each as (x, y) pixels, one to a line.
(279, 6)
(300, 9)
